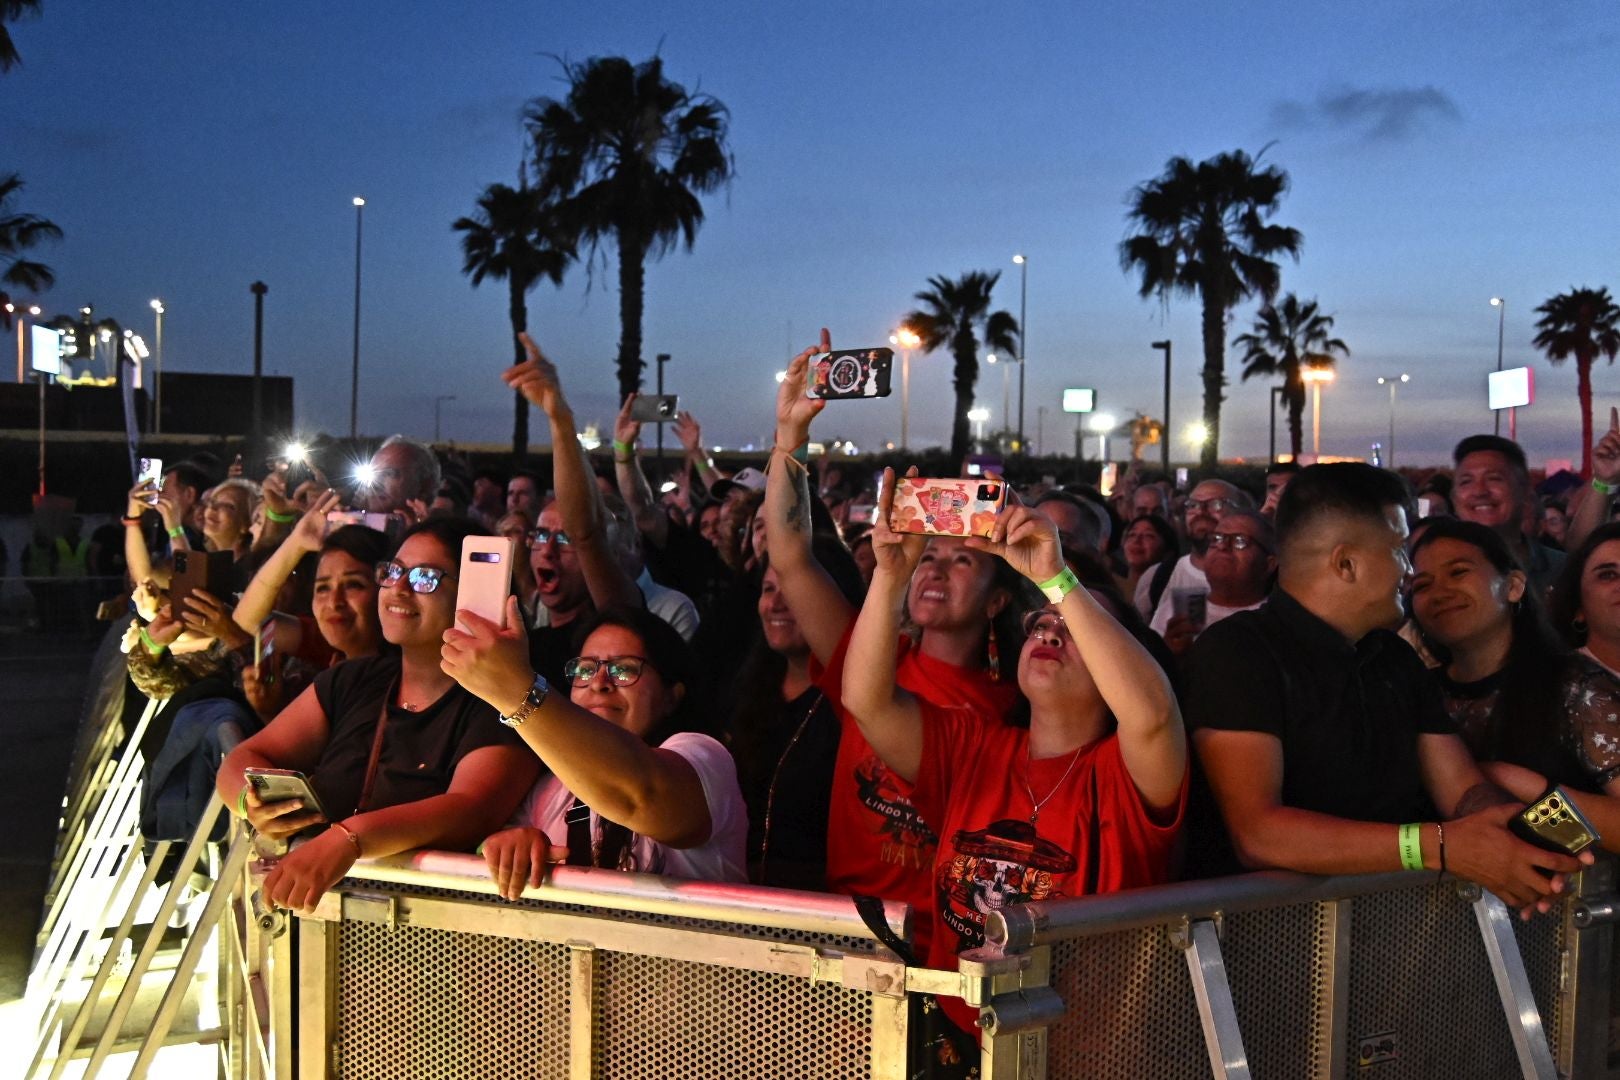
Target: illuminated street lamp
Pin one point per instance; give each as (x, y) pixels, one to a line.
(1102, 425)
(31, 310)
(354, 378)
(1006, 420)
(156, 421)
(1197, 434)
(978, 416)
(905, 339)
(1500, 304)
(1392, 381)
(1316, 375)
(1023, 336)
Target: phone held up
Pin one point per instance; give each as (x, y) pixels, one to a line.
(958, 507)
(206, 570)
(151, 477)
(850, 373)
(486, 577)
(654, 408)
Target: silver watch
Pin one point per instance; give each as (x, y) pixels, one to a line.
(535, 698)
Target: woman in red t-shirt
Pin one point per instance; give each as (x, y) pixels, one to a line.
(1087, 799)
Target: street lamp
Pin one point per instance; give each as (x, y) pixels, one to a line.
(1197, 434)
(1316, 375)
(978, 416)
(1276, 392)
(1164, 442)
(1006, 412)
(440, 400)
(1392, 381)
(905, 339)
(1500, 304)
(31, 310)
(156, 422)
(1023, 336)
(354, 378)
(1102, 425)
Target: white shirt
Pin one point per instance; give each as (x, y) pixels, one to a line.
(1184, 576)
(671, 605)
(723, 857)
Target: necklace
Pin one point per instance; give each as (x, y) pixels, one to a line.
(776, 774)
(1035, 803)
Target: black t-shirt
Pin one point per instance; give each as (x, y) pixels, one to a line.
(420, 750)
(1348, 716)
(550, 647)
(793, 745)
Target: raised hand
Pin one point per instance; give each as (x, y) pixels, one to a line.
(536, 378)
(209, 616)
(897, 553)
(310, 532)
(794, 411)
(490, 662)
(274, 489)
(140, 498)
(625, 429)
(689, 432)
(1606, 454)
(1026, 539)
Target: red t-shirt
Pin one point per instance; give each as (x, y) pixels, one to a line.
(1093, 833)
(876, 843)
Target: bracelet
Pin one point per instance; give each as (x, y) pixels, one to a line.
(1411, 844)
(1059, 585)
(177, 532)
(353, 839)
(1440, 826)
(151, 646)
(627, 450)
(241, 802)
(1603, 487)
(278, 517)
(131, 522)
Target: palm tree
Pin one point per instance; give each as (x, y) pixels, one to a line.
(11, 11)
(515, 237)
(1582, 323)
(952, 314)
(629, 152)
(1287, 337)
(18, 233)
(1202, 230)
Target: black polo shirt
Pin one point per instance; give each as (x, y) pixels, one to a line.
(1348, 717)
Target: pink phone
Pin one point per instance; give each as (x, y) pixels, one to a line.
(958, 507)
(486, 577)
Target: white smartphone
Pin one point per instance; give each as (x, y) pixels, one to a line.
(486, 577)
(152, 476)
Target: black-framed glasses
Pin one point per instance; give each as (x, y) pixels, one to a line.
(1216, 506)
(1045, 624)
(542, 536)
(1236, 541)
(622, 670)
(421, 579)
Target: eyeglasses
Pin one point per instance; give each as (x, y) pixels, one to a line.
(622, 670)
(1216, 506)
(542, 536)
(1236, 541)
(1045, 624)
(421, 579)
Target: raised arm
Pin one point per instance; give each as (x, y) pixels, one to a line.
(648, 790)
(136, 557)
(690, 433)
(259, 598)
(1596, 505)
(822, 611)
(889, 716)
(650, 518)
(575, 484)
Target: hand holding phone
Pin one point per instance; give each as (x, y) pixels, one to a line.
(1553, 822)
(281, 804)
(486, 577)
(850, 373)
(654, 408)
(955, 507)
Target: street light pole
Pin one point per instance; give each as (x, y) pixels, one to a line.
(1276, 392)
(258, 289)
(156, 423)
(1023, 337)
(438, 401)
(905, 339)
(1040, 428)
(1392, 381)
(1500, 304)
(1316, 376)
(354, 378)
(1164, 440)
(663, 474)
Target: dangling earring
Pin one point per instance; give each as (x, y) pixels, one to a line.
(993, 654)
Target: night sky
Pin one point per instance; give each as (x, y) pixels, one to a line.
(1439, 154)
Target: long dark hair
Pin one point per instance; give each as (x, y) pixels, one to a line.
(668, 654)
(1565, 604)
(1529, 717)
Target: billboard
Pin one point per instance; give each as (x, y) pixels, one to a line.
(1079, 399)
(46, 346)
(1512, 389)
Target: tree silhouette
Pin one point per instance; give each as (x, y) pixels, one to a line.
(953, 314)
(1287, 337)
(1585, 324)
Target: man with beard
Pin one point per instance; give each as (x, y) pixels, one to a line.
(1208, 501)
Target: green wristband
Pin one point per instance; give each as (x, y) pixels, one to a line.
(1059, 585)
(623, 449)
(1602, 487)
(278, 517)
(151, 646)
(177, 532)
(241, 803)
(1411, 841)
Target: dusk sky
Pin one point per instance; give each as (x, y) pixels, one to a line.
(1439, 154)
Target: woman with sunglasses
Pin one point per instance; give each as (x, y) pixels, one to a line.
(1087, 798)
(632, 786)
(399, 756)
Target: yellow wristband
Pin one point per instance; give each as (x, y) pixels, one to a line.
(1411, 842)
(1059, 585)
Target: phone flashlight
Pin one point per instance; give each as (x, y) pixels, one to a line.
(365, 475)
(667, 486)
(295, 453)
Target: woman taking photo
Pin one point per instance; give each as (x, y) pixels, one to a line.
(632, 787)
(396, 752)
(1087, 798)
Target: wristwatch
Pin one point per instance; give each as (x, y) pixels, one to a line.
(535, 698)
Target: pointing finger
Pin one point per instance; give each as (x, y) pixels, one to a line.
(1614, 418)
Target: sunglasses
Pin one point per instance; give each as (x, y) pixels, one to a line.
(1045, 624)
(1235, 541)
(542, 536)
(622, 670)
(421, 579)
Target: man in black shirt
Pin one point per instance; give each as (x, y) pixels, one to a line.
(1319, 729)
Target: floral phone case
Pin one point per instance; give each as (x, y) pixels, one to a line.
(963, 507)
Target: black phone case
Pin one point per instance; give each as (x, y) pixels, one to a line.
(853, 374)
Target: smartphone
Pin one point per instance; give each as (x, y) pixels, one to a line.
(1553, 823)
(1181, 478)
(850, 373)
(1424, 503)
(1192, 604)
(336, 519)
(277, 785)
(152, 474)
(1109, 479)
(193, 570)
(980, 464)
(264, 644)
(861, 513)
(960, 507)
(654, 408)
(486, 576)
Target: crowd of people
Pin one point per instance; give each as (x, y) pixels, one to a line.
(754, 677)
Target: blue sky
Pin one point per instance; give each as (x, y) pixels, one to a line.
(1439, 154)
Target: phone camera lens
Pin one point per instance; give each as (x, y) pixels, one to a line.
(1552, 804)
